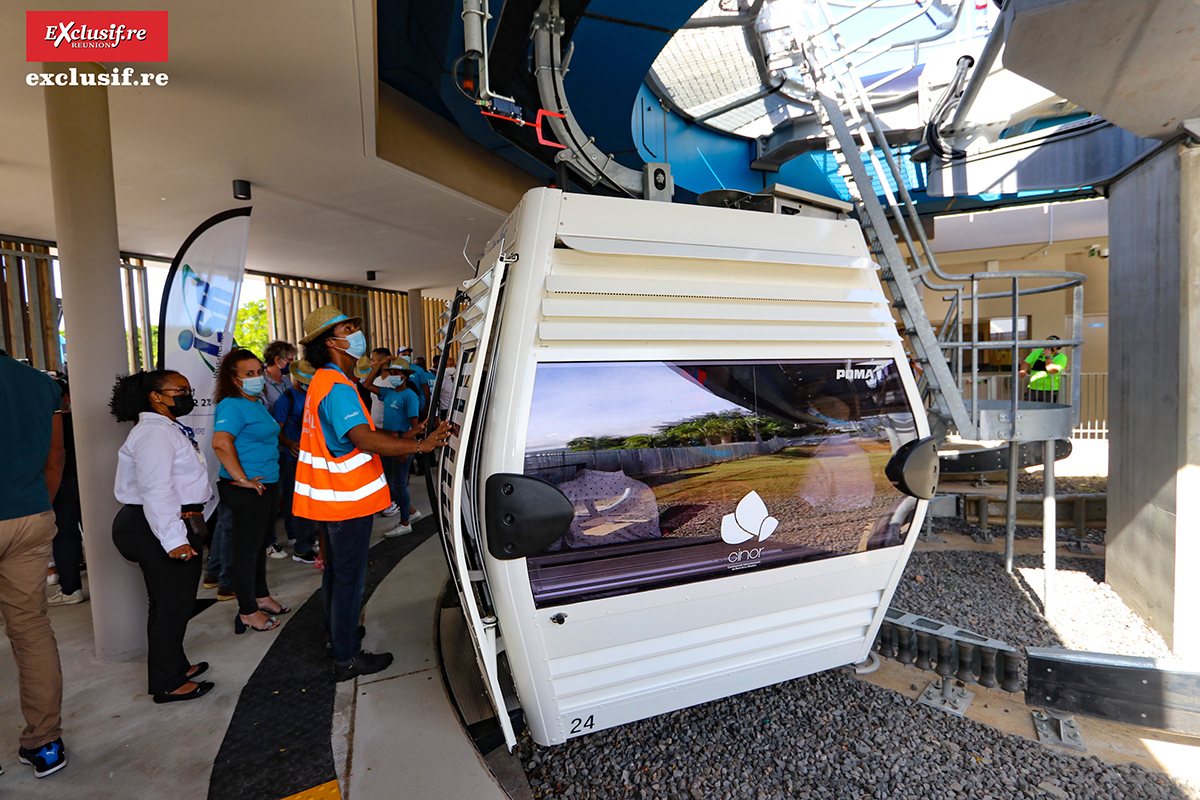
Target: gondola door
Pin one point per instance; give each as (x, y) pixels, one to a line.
(461, 526)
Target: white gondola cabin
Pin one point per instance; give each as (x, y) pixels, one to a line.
(688, 463)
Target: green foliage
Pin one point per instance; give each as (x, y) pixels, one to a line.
(701, 431)
(596, 443)
(250, 331)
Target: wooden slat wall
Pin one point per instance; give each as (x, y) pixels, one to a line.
(433, 309)
(29, 308)
(289, 300)
(389, 316)
(139, 343)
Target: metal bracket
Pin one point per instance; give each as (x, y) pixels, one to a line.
(536, 124)
(548, 21)
(944, 695)
(1059, 729)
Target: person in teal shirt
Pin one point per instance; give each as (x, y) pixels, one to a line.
(421, 381)
(401, 409)
(1044, 367)
(246, 440)
(289, 413)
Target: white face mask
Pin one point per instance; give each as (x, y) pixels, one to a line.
(357, 344)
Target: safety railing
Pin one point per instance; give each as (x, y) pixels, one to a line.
(1093, 406)
(1093, 398)
(861, 138)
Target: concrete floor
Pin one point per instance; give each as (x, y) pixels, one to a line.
(118, 740)
(120, 744)
(382, 756)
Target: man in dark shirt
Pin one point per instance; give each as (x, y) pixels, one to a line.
(31, 467)
(68, 517)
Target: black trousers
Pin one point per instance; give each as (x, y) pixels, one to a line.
(68, 542)
(171, 588)
(253, 523)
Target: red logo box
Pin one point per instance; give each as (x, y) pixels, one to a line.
(95, 35)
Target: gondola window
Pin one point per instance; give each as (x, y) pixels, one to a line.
(689, 471)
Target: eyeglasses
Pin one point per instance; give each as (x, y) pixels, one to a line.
(177, 392)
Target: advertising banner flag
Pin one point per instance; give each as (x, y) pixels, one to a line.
(198, 313)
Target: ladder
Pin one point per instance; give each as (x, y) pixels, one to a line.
(855, 138)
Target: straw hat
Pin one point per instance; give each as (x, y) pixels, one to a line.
(363, 368)
(321, 320)
(403, 364)
(302, 371)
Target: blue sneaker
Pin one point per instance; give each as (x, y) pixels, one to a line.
(46, 760)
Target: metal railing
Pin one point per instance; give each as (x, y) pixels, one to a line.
(860, 141)
(1093, 398)
(1093, 407)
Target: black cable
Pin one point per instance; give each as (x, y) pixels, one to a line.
(941, 111)
(454, 78)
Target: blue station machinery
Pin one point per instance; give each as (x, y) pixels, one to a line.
(715, 91)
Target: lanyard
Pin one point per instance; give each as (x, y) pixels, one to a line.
(191, 435)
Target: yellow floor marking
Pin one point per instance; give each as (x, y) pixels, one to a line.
(326, 791)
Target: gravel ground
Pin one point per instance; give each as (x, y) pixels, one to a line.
(1031, 483)
(822, 736)
(833, 736)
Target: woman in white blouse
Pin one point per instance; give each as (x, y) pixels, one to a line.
(160, 475)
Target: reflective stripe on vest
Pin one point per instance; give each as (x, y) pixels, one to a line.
(327, 488)
(335, 496)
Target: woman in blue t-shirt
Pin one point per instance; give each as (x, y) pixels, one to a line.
(246, 440)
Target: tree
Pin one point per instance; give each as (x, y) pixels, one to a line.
(250, 331)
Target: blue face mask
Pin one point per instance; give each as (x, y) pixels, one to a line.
(357, 342)
(396, 380)
(253, 386)
(284, 369)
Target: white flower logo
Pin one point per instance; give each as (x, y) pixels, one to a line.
(750, 519)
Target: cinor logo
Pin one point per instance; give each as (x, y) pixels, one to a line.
(749, 519)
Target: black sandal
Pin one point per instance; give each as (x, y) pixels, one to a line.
(240, 626)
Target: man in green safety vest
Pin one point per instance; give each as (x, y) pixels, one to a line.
(1044, 366)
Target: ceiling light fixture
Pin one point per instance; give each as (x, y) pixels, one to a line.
(241, 190)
